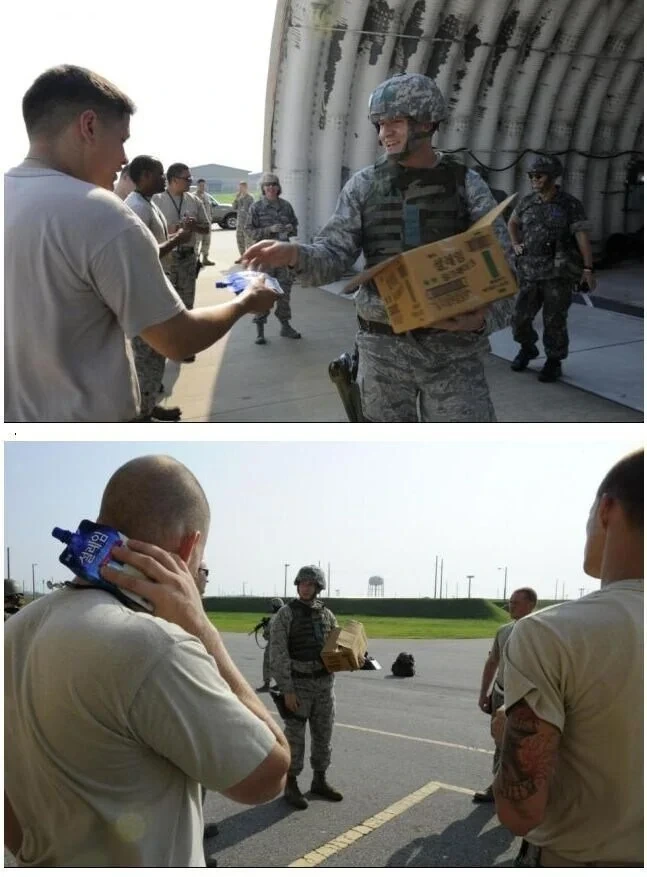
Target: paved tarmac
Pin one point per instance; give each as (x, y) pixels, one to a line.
(287, 381)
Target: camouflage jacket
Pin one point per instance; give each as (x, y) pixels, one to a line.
(271, 220)
(547, 231)
(242, 204)
(280, 662)
(338, 245)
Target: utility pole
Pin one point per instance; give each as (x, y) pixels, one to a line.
(285, 581)
(469, 587)
(244, 583)
(505, 580)
(556, 587)
(581, 592)
(8, 562)
(435, 577)
(442, 563)
(33, 581)
(329, 591)
(563, 589)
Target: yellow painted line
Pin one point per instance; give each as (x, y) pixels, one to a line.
(416, 739)
(337, 844)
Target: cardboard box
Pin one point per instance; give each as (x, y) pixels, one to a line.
(450, 277)
(345, 647)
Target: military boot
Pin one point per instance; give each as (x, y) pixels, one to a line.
(320, 786)
(260, 334)
(287, 331)
(551, 371)
(293, 794)
(521, 360)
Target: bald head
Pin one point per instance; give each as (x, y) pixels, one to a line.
(155, 499)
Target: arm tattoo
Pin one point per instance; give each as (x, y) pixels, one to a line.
(527, 754)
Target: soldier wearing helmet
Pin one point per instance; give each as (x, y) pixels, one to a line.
(13, 598)
(550, 235)
(413, 195)
(299, 631)
(272, 218)
(266, 628)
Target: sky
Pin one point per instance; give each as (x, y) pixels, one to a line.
(365, 508)
(197, 73)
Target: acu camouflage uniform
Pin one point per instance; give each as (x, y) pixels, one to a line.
(181, 264)
(548, 269)
(203, 241)
(384, 210)
(263, 214)
(241, 205)
(299, 631)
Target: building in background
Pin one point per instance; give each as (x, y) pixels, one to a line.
(220, 177)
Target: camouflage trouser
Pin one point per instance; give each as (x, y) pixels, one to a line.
(150, 367)
(497, 701)
(240, 238)
(554, 296)
(203, 242)
(396, 374)
(182, 274)
(267, 673)
(282, 309)
(317, 705)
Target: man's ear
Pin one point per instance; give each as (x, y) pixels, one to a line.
(604, 510)
(189, 543)
(87, 123)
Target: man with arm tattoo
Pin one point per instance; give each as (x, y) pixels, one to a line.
(571, 775)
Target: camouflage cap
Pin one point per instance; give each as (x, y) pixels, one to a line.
(311, 574)
(546, 164)
(270, 178)
(407, 94)
(11, 588)
(276, 603)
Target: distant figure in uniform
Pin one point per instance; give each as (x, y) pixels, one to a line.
(241, 204)
(272, 218)
(276, 603)
(550, 236)
(204, 240)
(523, 601)
(572, 765)
(299, 631)
(124, 185)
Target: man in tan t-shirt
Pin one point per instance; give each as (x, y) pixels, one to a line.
(114, 717)
(523, 601)
(571, 775)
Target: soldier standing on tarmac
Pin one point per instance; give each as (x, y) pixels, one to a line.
(550, 236)
(412, 196)
(299, 631)
(241, 204)
(271, 217)
(204, 239)
(276, 604)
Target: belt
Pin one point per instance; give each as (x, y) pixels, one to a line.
(316, 674)
(374, 328)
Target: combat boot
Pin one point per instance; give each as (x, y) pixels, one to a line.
(293, 794)
(264, 687)
(320, 786)
(551, 371)
(287, 331)
(521, 360)
(260, 334)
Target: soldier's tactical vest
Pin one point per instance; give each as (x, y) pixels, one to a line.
(409, 207)
(308, 631)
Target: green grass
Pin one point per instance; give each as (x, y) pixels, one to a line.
(381, 628)
(223, 197)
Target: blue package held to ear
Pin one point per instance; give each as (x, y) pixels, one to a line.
(237, 281)
(89, 549)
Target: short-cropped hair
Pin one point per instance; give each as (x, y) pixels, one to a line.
(625, 483)
(174, 170)
(61, 93)
(141, 165)
(529, 593)
(202, 180)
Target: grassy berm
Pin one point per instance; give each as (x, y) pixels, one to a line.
(384, 628)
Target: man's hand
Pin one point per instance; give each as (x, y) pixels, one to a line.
(518, 249)
(588, 277)
(257, 297)
(172, 589)
(292, 702)
(190, 223)
(497, 726)
(271, 254)
(183, 235)
(470, 322)
(484, 703)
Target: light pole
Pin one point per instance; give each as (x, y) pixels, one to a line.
(285, 581)
(469, 587)
(33, 581)
(505, 580)
(436, 578)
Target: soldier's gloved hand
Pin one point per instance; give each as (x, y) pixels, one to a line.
(518, 249)
(471, 322)
(292, 702)
(271, 254)
(257, 297)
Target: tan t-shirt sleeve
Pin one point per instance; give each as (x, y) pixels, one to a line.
(532, 670)
(186, 712)
(128, 276)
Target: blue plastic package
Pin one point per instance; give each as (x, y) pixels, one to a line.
(237, 281)
(89, 549)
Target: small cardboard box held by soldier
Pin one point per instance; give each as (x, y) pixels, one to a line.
(437, 281)
(345, 648)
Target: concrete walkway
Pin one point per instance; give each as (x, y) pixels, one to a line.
(287, 381)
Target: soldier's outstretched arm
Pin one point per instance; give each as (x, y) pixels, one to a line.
(279, 654)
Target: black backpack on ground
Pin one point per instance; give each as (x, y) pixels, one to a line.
(404, 665)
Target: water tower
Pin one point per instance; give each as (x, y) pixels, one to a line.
(376, 586)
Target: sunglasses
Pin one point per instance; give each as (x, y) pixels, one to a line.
(536, 176)
(270, 184)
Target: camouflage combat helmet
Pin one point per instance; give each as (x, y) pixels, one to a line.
(276, 603)
(546, 164)
(11, 588)
(407, 95)
(270, 178)
(311, 574)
